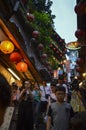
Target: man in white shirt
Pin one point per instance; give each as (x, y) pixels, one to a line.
(45, 92)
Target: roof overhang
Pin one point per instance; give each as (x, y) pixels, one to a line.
(32, 72)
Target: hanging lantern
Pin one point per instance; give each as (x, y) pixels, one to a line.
(35, 34)
(44, 56)
(15, 57)
(30, 17)
(80, 8)
(80, 33)
(51, 45)
(6, 47)
(21, 67)
(40, 46)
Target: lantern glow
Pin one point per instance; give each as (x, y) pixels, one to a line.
(22, 66)
(6, 47)
(15, 57)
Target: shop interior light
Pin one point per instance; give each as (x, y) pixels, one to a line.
(11, 71)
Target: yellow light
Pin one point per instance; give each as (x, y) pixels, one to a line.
(80, 84)
(59, 68)
(6, 47)
(76, 77)
(84, 74)
(13, 74)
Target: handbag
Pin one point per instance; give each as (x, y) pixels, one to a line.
(46, 95)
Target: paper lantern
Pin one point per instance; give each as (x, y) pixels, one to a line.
(22, 66)
(30, 17)
(51, 45)
(80, 8)
(35, 34)
(40, 46)
(15, 57)
(44, 56)
(80, 33)
(6, 47)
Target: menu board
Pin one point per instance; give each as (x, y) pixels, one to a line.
(7, 118)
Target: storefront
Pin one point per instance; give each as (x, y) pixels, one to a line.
(10, 32)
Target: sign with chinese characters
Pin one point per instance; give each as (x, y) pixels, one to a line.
(7, 118)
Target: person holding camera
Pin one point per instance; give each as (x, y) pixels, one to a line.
(45, 92)
(25, 119)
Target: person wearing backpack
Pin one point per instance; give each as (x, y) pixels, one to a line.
(59, 112)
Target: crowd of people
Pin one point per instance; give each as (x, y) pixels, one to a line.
(59, 106)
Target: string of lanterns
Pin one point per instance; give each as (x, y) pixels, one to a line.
(56, 51)
(7, 47)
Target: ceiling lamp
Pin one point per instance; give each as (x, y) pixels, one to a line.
(22, 66)
(6, 47)
(15, 57)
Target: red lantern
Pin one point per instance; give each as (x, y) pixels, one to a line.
(15, 57)
(51, 45)
(30, 17)
(44, 56)
(22, 67)
(80, 33)
(80, 8)
(35, 34)
(61, 40)
(40, 46)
